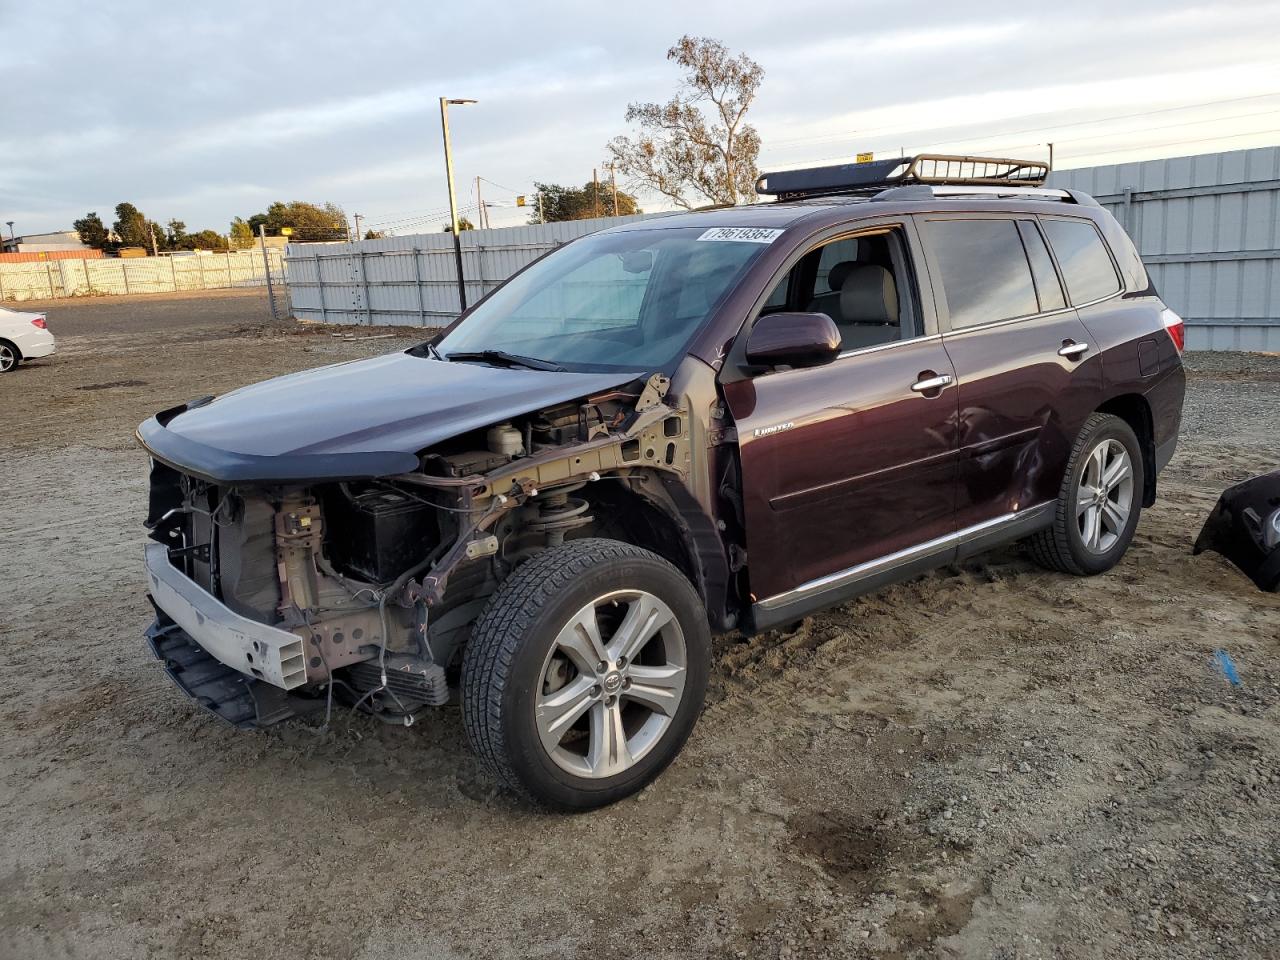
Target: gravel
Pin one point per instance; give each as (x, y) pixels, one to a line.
(991, 761)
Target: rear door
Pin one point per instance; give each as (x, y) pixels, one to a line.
(846, 463)
(1027, 373)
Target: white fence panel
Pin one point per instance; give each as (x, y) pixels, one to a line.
(413, 280)
(47, 279)
(1207, 227)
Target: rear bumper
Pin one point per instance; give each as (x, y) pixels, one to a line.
(255, 649)
(36, 344)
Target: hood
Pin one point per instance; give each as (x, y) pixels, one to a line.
(358, 419)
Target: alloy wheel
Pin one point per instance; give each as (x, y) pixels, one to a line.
(1104, 498)
(8, 358)
(611, 684)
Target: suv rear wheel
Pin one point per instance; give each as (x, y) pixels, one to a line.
(585, 674)
(1099, 502)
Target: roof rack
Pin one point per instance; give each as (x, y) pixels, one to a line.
(925, 169)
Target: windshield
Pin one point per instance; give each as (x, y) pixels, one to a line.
(621, 301)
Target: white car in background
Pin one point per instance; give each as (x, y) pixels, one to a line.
(23, 336)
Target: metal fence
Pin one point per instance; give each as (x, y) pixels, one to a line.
(1206, 226)
(87, 278)
(1208, 229)
(413, 280)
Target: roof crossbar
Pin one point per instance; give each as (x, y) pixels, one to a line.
(924, 169)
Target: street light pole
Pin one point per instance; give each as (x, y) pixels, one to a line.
(358, 219)
(453, 201)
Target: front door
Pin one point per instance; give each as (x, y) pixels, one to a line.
(1028, 374)
(853, 461)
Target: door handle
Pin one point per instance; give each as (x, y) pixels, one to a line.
(933, 383)
(1073, 350)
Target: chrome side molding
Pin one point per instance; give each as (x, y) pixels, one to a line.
(876, 572)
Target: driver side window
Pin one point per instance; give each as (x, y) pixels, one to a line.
(861, 283)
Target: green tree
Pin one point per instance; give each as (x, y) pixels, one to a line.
(697, 147)
(204, 240)
(175, 235)
(571, 203)
(463, 224)
(307, 220)
(93, 232)
(131, 226)
(374, 234)
(241, 234)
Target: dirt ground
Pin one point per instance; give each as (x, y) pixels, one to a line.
(992, 761)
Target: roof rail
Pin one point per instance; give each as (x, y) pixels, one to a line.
(922, 169)
(920, 191)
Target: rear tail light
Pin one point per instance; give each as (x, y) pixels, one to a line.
(1177, 329)
(39, 322)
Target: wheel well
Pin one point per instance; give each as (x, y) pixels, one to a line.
(1134, 410)
(16, 349)
(646, 512)
(621, 514)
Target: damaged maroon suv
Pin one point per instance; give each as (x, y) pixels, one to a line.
(693, 424)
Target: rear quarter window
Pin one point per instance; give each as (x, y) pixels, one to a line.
(1083, 258)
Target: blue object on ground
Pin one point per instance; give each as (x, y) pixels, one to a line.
(1227, 666)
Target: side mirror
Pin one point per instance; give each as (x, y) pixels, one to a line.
(793, 340)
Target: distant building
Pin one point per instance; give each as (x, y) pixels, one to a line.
(61, 241)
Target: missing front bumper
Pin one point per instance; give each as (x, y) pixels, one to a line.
(257, 650)
(242, 701)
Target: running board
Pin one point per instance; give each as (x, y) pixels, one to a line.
(845, 585)
(243, 702)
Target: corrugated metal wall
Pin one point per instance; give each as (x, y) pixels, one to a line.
(1208, 229)
(1206, 226)
(412, 280)
(88, 278)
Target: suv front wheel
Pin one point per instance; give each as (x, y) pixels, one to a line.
(1099, 502)
(585, 674)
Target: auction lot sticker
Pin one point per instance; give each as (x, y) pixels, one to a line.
(742, 234)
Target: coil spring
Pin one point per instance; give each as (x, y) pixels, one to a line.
(558, 513)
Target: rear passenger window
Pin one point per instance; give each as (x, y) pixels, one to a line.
(984, 269)
(1086, 265)
(1048, 289)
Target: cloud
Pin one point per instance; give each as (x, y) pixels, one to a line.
(205, 113)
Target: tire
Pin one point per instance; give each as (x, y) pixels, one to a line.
(10, 356)
(546, 721)
(1073, 544)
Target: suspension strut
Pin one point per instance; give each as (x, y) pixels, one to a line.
(558, 513)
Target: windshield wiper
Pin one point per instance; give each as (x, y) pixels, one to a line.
(502, 357)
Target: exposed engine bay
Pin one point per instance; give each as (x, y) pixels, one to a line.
(371, 585)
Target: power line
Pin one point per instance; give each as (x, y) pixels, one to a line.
(1114, 133)
(1178, 143)
(501, 187)
(1013, 133)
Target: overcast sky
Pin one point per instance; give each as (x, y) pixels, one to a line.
(209, 111)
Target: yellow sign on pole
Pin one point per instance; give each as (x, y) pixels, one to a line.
(866, 157)
(286, 231)
(520, 201)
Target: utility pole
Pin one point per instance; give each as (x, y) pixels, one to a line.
(541, 216)
(613, 180)
(155, 252)
(453, 200)
(483, 216)
(595, 180)
(266, 267)
(358, 219)
(1050, 156)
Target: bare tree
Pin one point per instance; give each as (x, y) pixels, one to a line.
(697, 147)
